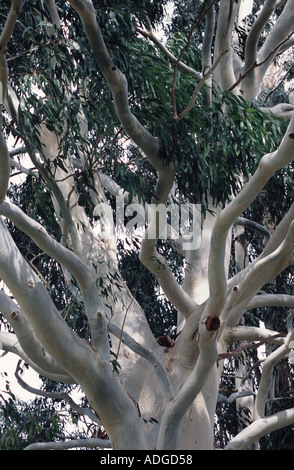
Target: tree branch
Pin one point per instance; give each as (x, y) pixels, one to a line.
(149, 34)
(55, 396)
(269, 300)
(206, 50)
(12, 106)
(175, 411)
(251, 224)
(257, 27)
(276, 41)
(233, 397)
(38, 307)
(267, 370)
(264, 61)
(119, 88)
(281, 110)
(259, 428)
(148, 355)
(31, 350)
(91, 369)
(4, 38)
(51, 7)
(251, 333)
(268, 165)
(94, 306)
(72, 444)
(145, 141)
(225, 74)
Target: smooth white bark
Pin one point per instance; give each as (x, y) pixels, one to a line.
(259, 428)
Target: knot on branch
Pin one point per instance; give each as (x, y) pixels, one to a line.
(14, 315)
(165, 341)
(212, 323)
(99, 316)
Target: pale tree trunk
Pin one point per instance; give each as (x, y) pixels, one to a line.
(177, 386)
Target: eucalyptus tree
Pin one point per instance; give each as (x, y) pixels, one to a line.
(137, 143)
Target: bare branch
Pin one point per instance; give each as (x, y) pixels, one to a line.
(251, 333)
(25, 338)
(255, 65)
(269, 300)
(225, 74)
(35, 302)
(253, 37)
(233, 397)
(93, 304)
(55, 395)
(51, 6)
(4, 38)
(267, 369)
(267, 166)
(251, 224)
(281, 110)
(277, 41)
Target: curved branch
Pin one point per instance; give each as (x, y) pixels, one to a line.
(269, 300)
(148, 355)
(253, 36)
(91, 370)
(268, 165)
(4, 38)
(280, 32)
(275, 42)
(156, 264)
(12, 106)
(251, 279)
(119, 88)
(259, 428)
(267, 370)
(251, 333)
(251, 224)
(93, 304)
(55, 395)
(31, 349)
(34, 300)
(51, 7)
(149, 34)
(175, 410)
(10, 344)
